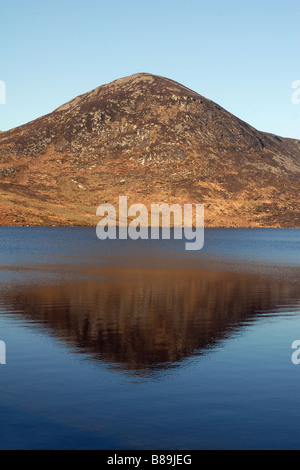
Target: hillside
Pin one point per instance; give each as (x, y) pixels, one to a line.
(153, 140)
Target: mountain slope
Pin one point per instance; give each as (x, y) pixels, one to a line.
(153, 140)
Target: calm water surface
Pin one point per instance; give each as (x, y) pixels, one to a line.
(142, 345)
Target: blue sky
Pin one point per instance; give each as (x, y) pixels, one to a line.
(242, 54)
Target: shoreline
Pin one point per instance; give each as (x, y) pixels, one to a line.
(194, 227)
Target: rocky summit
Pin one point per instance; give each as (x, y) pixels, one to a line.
(151, 139)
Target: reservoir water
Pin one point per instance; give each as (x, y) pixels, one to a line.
(143, 345)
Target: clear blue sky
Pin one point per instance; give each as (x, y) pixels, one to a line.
(243, 54)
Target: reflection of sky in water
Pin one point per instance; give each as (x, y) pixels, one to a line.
(243, 394)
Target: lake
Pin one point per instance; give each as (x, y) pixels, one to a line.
(143, 345)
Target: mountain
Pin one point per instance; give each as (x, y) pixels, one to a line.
(153, 140)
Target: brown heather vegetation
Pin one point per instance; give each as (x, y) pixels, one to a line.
(155, 141)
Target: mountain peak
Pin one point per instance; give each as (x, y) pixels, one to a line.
(130, 84)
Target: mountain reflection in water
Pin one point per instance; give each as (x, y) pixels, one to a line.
(145, 319)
